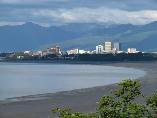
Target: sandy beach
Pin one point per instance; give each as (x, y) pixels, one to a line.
(82, 100)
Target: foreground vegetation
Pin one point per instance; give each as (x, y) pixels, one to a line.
(122, 104)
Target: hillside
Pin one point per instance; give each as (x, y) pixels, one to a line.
(32, 36)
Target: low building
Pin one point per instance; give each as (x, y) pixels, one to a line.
(73, 51)
(93, 52)
(50, 51)
(20, 57)
(84, 52)
(119, 52)
(37, 53)
(54, 50)
(44, 53)
(27, 52)
(132, 50)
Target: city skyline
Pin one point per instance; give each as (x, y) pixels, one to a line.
(104, 48)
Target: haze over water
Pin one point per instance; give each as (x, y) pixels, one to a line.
(29, 79)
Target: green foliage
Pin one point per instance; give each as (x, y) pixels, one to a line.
(121, 105)
(152, 102)
(128, 90)
(66, 113)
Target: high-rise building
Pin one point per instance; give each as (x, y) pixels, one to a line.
(99, 49)
(117, 46)
(58, 50)
(108, 46)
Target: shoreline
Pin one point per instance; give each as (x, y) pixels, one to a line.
(76, 99)
(40, 96)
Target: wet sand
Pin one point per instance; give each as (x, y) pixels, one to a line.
(82, 100)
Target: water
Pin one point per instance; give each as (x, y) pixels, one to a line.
(30, 79)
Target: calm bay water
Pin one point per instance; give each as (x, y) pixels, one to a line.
(30, 79)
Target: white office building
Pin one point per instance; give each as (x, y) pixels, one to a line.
(99, 49)
(84, 52)
(73, 51)
(132, 50)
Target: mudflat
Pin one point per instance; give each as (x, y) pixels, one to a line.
(82, 100)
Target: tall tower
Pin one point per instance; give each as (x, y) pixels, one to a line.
(117, 46)
(108, 46)
(99, 49)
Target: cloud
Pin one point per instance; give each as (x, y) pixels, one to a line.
(3, 23)
(29, 1)
(59, 16)
(98, 15)
(130, 5)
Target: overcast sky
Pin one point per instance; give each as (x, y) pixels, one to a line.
(58, 12)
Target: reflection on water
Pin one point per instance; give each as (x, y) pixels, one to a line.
(29, 79)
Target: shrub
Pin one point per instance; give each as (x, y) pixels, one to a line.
(121, 104)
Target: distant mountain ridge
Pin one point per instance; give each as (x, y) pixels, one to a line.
(30, 36)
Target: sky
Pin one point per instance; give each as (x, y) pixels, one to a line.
(60, 12)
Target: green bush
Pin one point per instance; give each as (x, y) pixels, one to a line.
(121, 105)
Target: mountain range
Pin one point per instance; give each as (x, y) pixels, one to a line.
(30, 36)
